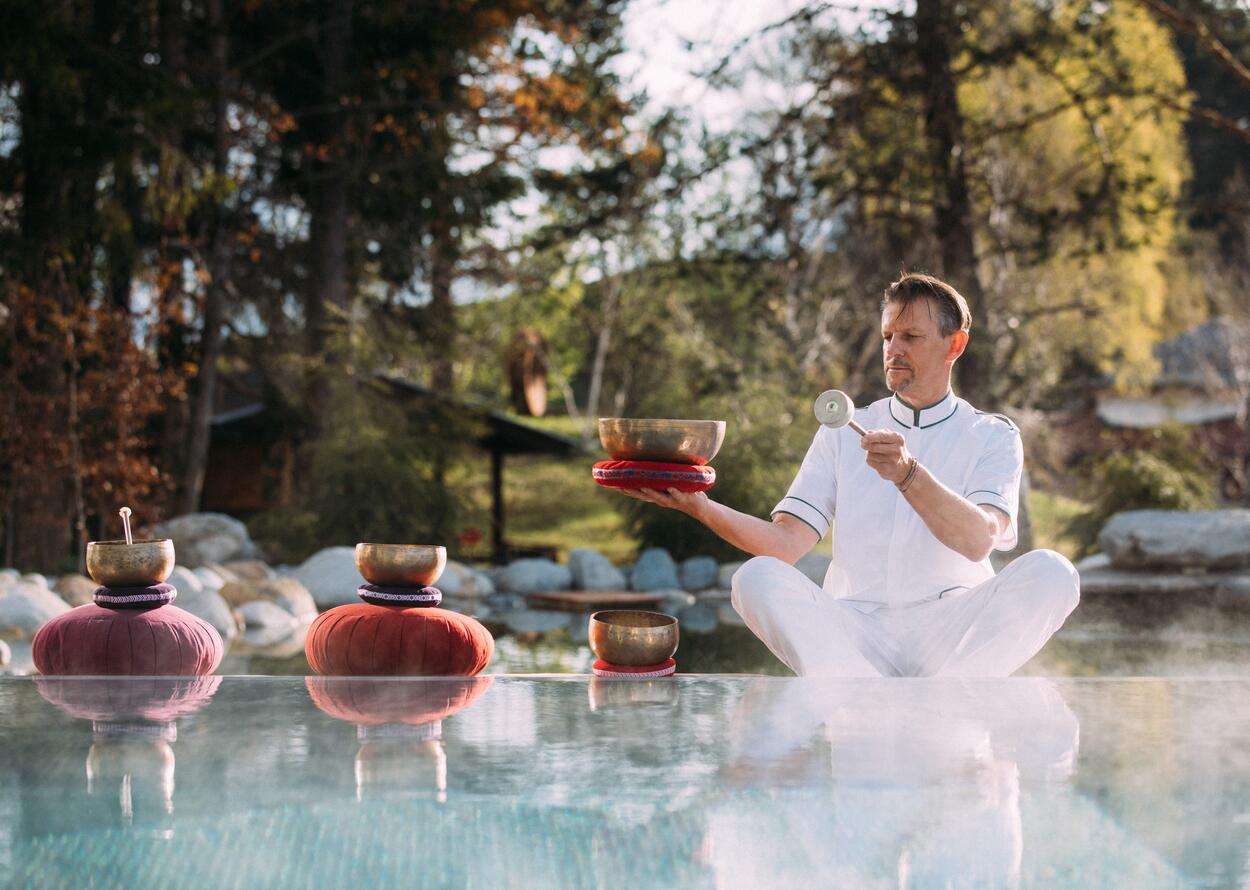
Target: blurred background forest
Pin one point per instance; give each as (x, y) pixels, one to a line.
(232, 232)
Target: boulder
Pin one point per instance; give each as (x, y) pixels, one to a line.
(26, 608)
(75, 589)
(1149, 539)
(525, 576)
(655, 570)
(201, 538)
(698, 573)
(533, 621)
(331, 577)
(458, 580)
(814, 566)
(725, 574)
(483, 584)
(697, 619)
(36, 579)
(591, 570)
(249, 569)
(208, 604)
(208, 578)
(1094, 562)
(21, 658)
(5, 654)
(187, 581)
(267, 615)
(8, 576)
(286, 593)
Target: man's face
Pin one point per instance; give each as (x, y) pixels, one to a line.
(913, 348)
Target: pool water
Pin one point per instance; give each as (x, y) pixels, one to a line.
(695, 781)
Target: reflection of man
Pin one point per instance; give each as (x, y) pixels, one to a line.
(926, 783)
(916, 507)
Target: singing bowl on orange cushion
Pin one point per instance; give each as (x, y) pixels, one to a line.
(366, 640)
(127, 642)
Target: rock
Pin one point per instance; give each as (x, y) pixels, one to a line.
(187, 581)
(714, 595)
(727, 615)
(483, 584)
(1177, 585)
(1094, 562)
(21, 658)
(725, 574)
(209, 605)
(458, 580)
(535, 576)
(331, 577)
(26, 608)
(5, 654)
(814, 566)
(249, 569)
(698, 573)
(697, 619)
(209, 579)
(75, 589)
(592, 570)
(1146, 539)
(36, 579)
(532, 621)
(201, 538)
(655, 570)
(8, 576)
(286, 593)
(267, 615)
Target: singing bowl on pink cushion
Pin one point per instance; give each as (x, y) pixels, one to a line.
(366, 640)
(91, 640)
(155, 699)
(373, 702)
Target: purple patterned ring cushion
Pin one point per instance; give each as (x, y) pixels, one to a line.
(135, 597)
(381, 595)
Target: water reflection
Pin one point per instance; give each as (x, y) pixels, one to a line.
(919, 782)
(133, 728)
(399, 724)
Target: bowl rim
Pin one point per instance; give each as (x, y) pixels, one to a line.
(653, 420)
(131, 544)
(664, 625)
(403, 546)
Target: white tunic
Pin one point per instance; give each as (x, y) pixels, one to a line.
(883, 553)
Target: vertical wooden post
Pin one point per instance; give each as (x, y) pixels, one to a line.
(498, 554)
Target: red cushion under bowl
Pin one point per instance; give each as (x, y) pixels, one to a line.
(127, 642)
(649, 474)
(366, 640)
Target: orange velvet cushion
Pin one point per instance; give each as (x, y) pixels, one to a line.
(366, 640)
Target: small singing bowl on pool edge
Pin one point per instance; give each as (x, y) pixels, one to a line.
(141, 564)
(633, 638)
(666, 441)
(401, 565)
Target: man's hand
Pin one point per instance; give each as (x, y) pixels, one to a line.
(692, 503)
(887, 454)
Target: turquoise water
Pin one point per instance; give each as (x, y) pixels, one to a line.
(572, 782)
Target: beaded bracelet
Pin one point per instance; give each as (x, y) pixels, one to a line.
(910, 477)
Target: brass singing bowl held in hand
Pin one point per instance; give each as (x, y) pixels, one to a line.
(401, 565)
(666, 441)
(141, 564)
(633, 638)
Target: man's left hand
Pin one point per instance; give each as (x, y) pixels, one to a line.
(887, 454)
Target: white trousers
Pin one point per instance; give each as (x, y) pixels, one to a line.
(987, 631)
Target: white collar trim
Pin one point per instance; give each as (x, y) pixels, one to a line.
(922, 418)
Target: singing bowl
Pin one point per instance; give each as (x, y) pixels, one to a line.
(665, 441)
(401, 565)
(633, 638)
(141, 564)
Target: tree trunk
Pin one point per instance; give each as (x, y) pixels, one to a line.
(219, 272)
(937, 27)
(442, 309)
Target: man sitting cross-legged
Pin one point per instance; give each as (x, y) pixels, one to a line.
(916, 505)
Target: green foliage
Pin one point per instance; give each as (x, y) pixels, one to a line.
(1164, 473)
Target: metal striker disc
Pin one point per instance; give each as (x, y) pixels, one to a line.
(834, 408)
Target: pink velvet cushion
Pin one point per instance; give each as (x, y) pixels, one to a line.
(128, 642)
(367, 640)
(650, 474)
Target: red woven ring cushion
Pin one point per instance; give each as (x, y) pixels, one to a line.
(649, 474)
(127, 642)
(366, 640)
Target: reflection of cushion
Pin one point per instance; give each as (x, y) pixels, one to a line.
(158, 699)
(375, 702)
(602, 669)
(381, 595)
(92, 640)
(649, 474)
(367, 640)
(135, 597)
